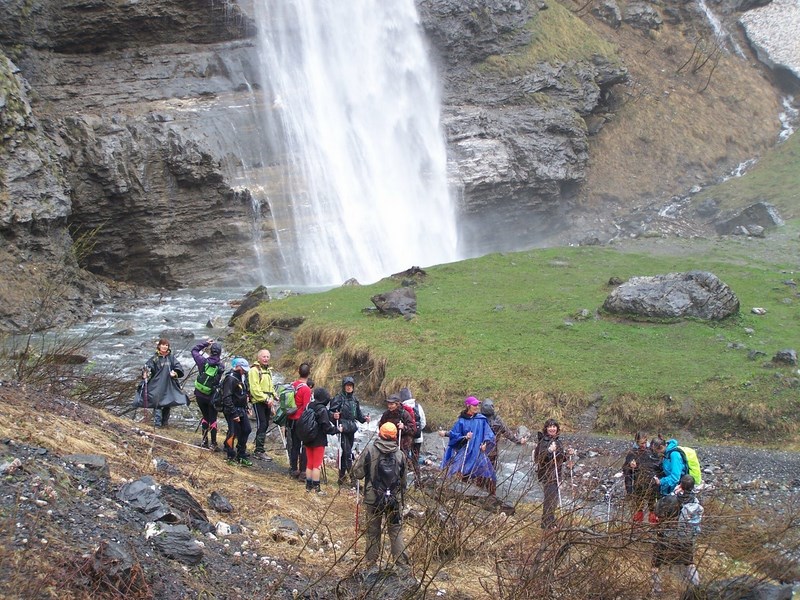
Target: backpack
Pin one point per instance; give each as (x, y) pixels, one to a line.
(387, 483)
(307, 427)
(689, 519)
(691, 464)
(208, 379)
(417, 419)
(413, 417)
(216, 396)
(286, 398)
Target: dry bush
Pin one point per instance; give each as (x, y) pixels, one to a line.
(628, 411)
(539, 405)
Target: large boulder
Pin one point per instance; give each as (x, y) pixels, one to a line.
(399, 302)
(696, 294)
(758, 216)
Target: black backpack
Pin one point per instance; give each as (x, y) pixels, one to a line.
(307, 427)
(387, 483)
(216, 396)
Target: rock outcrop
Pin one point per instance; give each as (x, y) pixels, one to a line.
(696, 294)
(137, 123)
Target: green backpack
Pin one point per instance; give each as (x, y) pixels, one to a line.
(691, 464)
(287, 405)
(208, 379)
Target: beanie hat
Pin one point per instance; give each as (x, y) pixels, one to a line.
(487, 407)
(240, 363)
(394, 398)
(471, 401)
(405, 394)
(321, 395)
(388, 431)
(216, 349)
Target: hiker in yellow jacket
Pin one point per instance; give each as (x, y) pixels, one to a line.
(262, 395)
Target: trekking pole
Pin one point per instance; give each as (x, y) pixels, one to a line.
(339, 449)
(558, 482)
(283, 441)
(464, 461)
(358, 491)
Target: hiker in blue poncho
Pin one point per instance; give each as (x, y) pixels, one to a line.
(671, 463)
(470, 439)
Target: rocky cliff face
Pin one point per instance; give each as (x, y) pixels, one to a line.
(133, 121)
(112, 137)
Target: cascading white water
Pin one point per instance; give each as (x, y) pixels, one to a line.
(352, 91)
(720, 32)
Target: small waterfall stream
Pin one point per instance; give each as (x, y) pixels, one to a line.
(351, 90)
(721, 34)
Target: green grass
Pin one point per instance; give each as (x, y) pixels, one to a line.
(505, 326)
(774, 179)
(557, 36)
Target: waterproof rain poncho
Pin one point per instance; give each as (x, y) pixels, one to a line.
(465, 459)
(162, 390)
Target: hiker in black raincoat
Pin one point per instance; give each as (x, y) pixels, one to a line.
(161, 388)
(345, 410)
(549, 457)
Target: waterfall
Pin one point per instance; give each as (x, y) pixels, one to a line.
(720, 33)
(355, 100)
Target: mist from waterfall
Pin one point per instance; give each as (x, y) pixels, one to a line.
(351, 91)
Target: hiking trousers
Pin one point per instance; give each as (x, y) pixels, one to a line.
(550, 503)
(263, 414)
(394, 526)
(346, 441)
(297, 458)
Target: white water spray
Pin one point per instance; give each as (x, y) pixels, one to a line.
(350, 88)
(720, 32)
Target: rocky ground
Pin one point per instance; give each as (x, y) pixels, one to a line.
(68, 531)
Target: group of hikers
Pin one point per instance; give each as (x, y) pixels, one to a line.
(659, 477)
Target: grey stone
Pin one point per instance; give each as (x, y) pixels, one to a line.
(252, 299)
(177, 542)
(761, 214)
(402, 302)
(786, 357)
(219, 503)
(696, 294)
(642, 15)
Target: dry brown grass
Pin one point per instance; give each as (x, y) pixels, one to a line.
(667, 135)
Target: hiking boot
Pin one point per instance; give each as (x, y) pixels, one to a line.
(244, 461)
(214, 447)
(204, 444)
(262, 455)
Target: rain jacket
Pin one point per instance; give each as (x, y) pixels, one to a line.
(350, 409)
(201, 361)
(467, 458)
(260, 381)
(162, 390)
(380, 446)
(548, 462)
(672, 464)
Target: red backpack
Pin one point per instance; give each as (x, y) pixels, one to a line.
(413, 418)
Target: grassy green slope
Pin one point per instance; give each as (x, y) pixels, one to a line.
(508, 326)
(775, 179)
